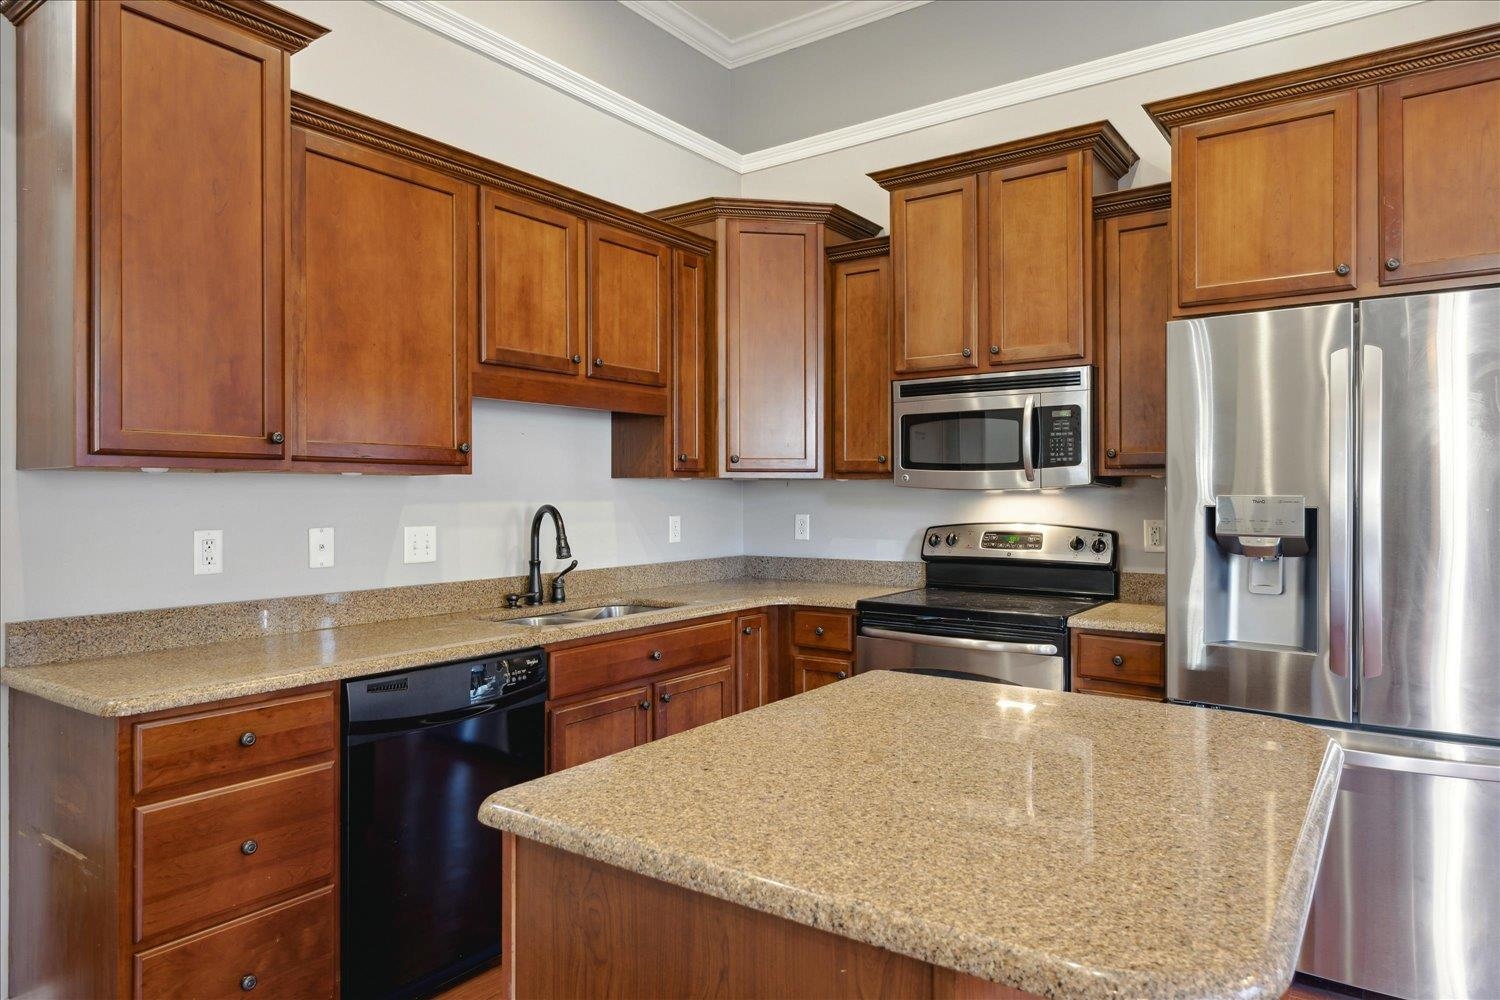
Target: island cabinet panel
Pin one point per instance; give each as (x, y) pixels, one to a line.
(859, 399)
(590, 728)
(755, 657)
(1035, 252)
(1266, 202)
(1440, 174)
(935, 275)
(532, 288)
(686, 701)
(385, 313)
(1135, 256)
(629, 306)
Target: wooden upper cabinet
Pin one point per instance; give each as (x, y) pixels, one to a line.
(935, 268)
(689, 362)
(1034, 217)
(385, 312)
(1135, 243)
(1440, 174)
(859, 402)
(531, 267)
(629, 306)
(1266, 202)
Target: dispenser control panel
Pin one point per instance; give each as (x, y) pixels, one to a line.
(1249, 514)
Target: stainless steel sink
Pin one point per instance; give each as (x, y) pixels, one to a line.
(578, 616)
(534, 620)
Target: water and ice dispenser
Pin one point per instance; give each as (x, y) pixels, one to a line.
(1262, 572)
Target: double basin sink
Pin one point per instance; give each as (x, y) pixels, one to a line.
(582, 615)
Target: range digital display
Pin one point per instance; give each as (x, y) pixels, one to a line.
(1018, 541)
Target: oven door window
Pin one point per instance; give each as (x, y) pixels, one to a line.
(969, 440)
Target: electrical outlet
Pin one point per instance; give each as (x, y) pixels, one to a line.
(1156, 536)
(803, 529)
(208, 552)
(674, 528)
(421, 544)
(319, 548)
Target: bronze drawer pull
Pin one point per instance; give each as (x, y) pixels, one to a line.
(247, 983)
(1391, 264)
(277, 437)
(643, 704)
(1118, 661)
(746, 630)
(666, 696)
(656, 654)
(249, 847)
(247, 739)
(576, 358)
(818, 630)
(1341, 270)
(1111, 453)
(842, 674)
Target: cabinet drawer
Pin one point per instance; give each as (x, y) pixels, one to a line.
(1082, 685)
(232, 741)
(288, 949)
(824, 630)
(1115, 658)
(619, 661)
(213, 853)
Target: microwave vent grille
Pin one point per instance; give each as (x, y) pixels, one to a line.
(1061, 379)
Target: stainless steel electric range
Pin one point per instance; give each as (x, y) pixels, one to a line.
(996, 605)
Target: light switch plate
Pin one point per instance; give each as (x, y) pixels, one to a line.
(319, 548)
(208, 552)
(802, 531)
(421, 544)
(674, 528)
(1156, 536)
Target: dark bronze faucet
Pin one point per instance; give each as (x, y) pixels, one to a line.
(533, 593)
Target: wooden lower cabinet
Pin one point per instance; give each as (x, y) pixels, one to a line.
(821, 647)
(687, 701)
(218, 878)
(589, 728)
(754, 654)
(1122, 664)
(809, 672)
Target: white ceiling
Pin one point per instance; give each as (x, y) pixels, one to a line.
(736, 32)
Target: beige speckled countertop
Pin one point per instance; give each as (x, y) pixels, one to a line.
(193, 675)
(1119, 616)
(1061, 844)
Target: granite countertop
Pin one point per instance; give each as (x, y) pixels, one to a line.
(1060, 844)
(1120, 616)
(192, 675)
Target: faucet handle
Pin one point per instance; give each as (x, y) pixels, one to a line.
(512, 600)
(559, 589)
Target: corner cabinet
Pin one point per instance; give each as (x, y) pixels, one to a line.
(991, 261)
(154, 159)
(1374, 175)
(859, 359)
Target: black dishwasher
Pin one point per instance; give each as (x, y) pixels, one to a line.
(421, 874)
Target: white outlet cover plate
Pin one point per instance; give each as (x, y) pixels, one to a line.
(421, 544)
(1155, 536)
(674, 528)
(802, 530)
(319, 548)
(208, 552)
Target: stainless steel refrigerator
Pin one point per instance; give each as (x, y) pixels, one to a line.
(1333, 505)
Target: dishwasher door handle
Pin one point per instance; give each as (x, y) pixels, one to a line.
(953, 642)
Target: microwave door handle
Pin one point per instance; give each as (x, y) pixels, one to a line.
(1028, 413)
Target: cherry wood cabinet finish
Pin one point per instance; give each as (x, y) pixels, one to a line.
(1135, 258)
(584, 730)
(629, 307)
(222, 743)
(1034, 217)
(690, 364)
(686, 701)
(1119, 663)
(811, 672)
(603, 663)
(935, 276)
(754, 653)
(824, 630)
(859, 323)
(531, 262)
(1440, 174)
(384, 314)
(289, 949)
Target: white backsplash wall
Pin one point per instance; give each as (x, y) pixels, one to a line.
(878, 520)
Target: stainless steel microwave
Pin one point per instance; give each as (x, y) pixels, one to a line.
(1028, 430)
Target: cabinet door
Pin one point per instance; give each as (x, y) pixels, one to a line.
(689, 359)
(753, 657)
(935, 274)
(1440, 174)
(531, 266)
(1264, 202)
(1137, 304)
(809, 672)
(690, 700)
(773, 344)
(385, 313)
(629, 305)
(1033, 238)
(190, 163)
(581, 731)
(861, 367)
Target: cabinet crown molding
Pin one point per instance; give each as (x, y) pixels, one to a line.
(1100, 138)
(877, 246)
(1128, 201)
(351, 126)
(281, 28)
(1344, 74)
(835, 217)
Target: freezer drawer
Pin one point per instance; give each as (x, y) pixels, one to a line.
(1408, 896)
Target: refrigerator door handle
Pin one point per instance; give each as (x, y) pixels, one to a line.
(1028, 414)
(1433, 766)
(1339, 571)
(1371, 474)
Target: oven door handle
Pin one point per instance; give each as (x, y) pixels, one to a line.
(953, 642)
(1028, 412)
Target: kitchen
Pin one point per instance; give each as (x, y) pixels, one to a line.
(586, 353)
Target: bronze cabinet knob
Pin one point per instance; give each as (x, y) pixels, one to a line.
(1341, 270)
(968, 353)
(1391, 263)
(463, 446)
(880, 459)
(247, 983)
(247, 739)
(656, 654)
(734, 460)
(277, 437)
(249, 847)
(643, 705)
(994, 348)
(682, 457)
(1110, 453)
(842, 674)
(818, 630)
(746, 630)
(666, 696)
(1118, 661)
(598, 362)
(576, 359)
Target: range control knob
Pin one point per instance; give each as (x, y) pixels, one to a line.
(934, 539)
(1076, 544)
(1100, 544)
(952, 539)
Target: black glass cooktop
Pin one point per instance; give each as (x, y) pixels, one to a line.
(957, 603)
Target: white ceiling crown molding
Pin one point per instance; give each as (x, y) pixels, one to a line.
(488, 42)
(831, 19)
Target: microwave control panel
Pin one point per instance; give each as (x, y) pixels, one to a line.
(1062, 436)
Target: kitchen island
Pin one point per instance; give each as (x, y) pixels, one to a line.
(918, 836)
